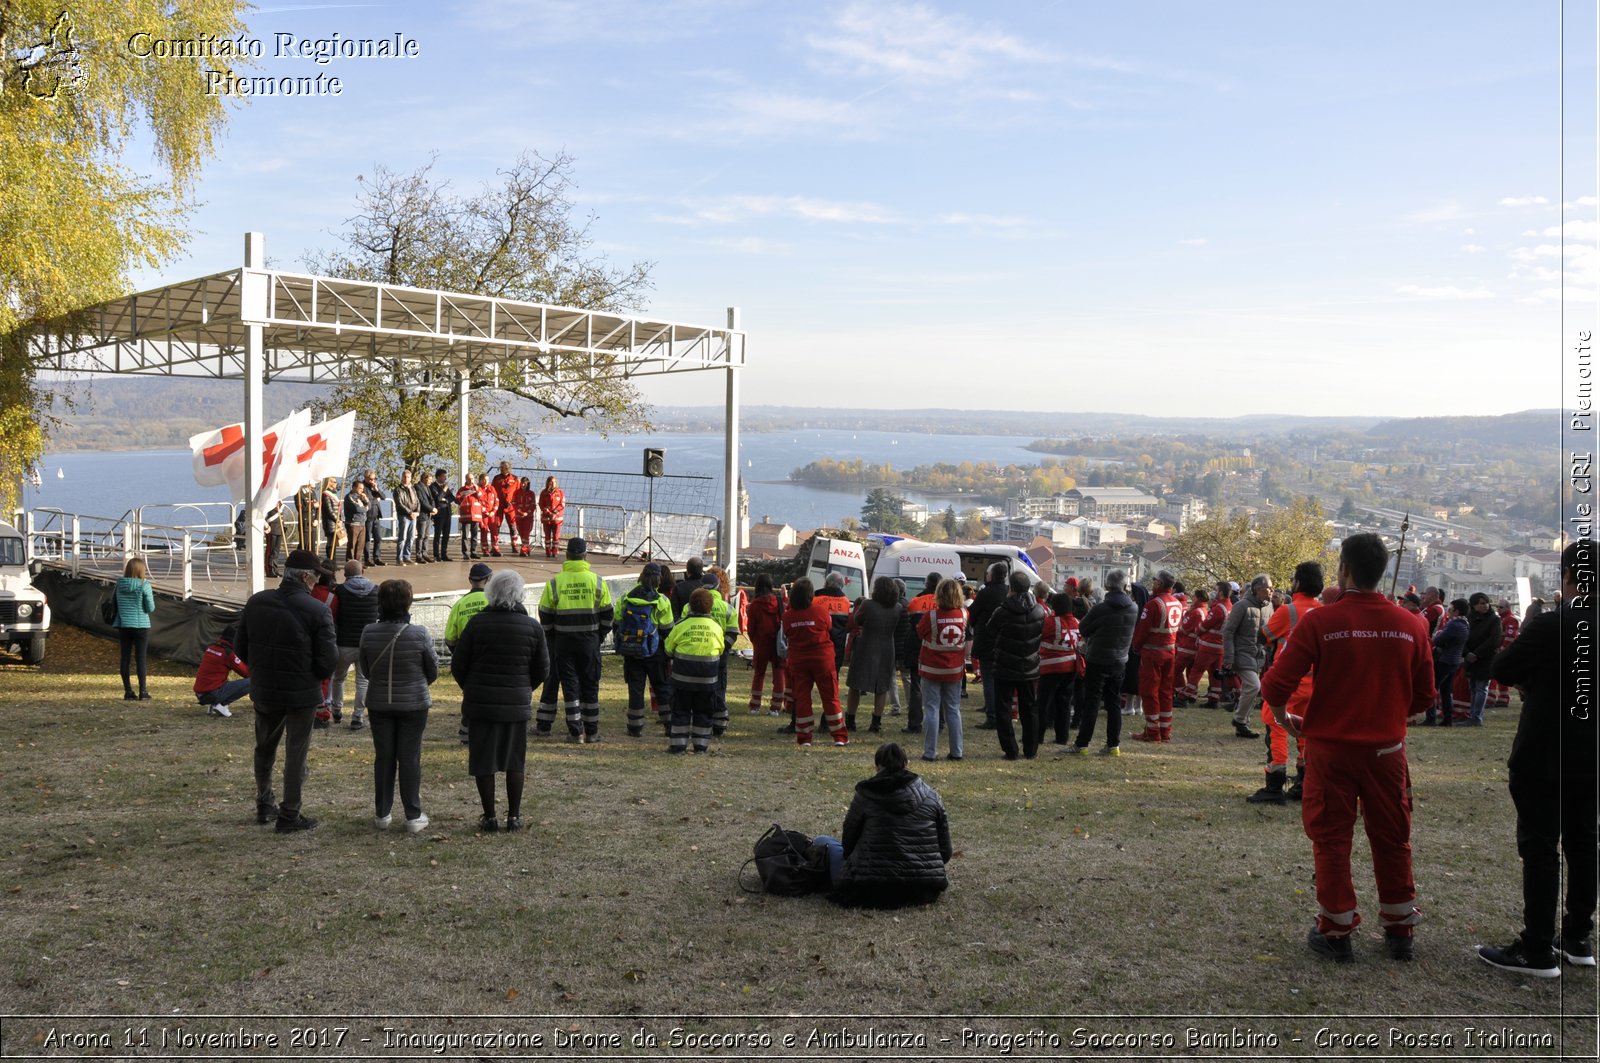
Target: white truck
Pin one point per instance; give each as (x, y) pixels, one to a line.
(908, 559)
(24, 613)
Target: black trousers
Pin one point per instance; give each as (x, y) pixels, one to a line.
(1057, 692)
(654, 671)
(1555, 819)
(293, 728)
(135, 648)
(373, 550)
(441, 536)
(397, 750)
(1102, 689)
(1027, 716)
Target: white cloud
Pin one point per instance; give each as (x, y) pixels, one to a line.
(1194, 241)
(915, 42)
(778, 114)
(731, 209)
(1449, 292)
(1472, 249)
(1430, 215)
(983, 221)
(1524, 201)
(1576, 229)
(1581, 201)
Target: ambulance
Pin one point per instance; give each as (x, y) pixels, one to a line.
(24, 613)
(910, 560)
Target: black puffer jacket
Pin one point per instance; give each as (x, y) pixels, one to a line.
(1011, 638)
(1553, 741)
(984, 603)
(499, 661)
(358, 607)
(286, 637)
(896, 843)
(1483, 642)
(398, 660)
(1108, 629)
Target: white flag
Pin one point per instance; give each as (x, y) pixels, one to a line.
(218, 457)
(327, 449)
(280, 446)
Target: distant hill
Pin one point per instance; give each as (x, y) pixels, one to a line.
(1006, 422)
(1530, 428)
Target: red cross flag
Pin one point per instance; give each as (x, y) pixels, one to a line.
(218, 457)
(327, 449)
(281, 465)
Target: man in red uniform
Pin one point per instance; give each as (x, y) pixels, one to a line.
(1303, 590)
(1374, 668)
(1510, 625)
(1433, 608)
(1155, 638)
(1208, 647)
(525, 507)
(489, 529)
(505, 486)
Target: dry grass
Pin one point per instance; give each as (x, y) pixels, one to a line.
(137, 882)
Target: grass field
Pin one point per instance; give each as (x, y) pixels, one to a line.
(137, 882)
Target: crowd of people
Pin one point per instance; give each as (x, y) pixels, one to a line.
(1337, 666)
(349, 523)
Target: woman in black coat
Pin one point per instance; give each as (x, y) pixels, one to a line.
(498, 661)
(398, 662)
(1483, 642)
(896, 839)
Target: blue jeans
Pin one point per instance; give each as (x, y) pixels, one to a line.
(406, 537)
(941, 705)
(226, 694)
(835, 854)
(1480, 698)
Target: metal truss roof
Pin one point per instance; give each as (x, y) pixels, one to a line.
(314, 326)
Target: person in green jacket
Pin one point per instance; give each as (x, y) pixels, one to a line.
(136, 601)
(467, 606)
(696, 646)
(576, 607)
(643, 621)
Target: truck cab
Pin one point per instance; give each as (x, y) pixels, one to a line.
(24, 613)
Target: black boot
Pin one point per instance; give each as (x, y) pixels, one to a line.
(876, 726)
(849, 721)
(1272, 793)
(1242, 730)
(1297, 788)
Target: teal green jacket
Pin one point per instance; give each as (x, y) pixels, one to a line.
(135, 602)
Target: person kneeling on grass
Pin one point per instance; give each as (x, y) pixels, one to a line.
(212, 687)
(896, 840)
(696, 646)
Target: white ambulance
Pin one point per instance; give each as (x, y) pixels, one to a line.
(24, 613)
(910, 560)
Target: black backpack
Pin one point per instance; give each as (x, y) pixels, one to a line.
(108, 608)
(788, 864)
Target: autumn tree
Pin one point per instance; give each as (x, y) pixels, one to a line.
(517, 237)
(1237, 548)
(882, 512)
(75, 220)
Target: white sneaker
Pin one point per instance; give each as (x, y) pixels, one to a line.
(220, 710)
(415, 825)
(382, 822)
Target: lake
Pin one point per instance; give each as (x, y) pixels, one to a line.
(111, 483)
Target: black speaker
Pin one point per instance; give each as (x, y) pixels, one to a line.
(655, 462)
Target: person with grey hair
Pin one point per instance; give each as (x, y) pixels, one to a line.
(286, 637)
(1244, 652)
(498, 661)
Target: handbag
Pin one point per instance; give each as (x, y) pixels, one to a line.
(788, 864)
(108, 608)
(782, 644)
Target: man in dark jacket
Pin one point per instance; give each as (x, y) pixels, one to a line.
(354, 606)
(1483, 642)
(286, 637)
(444, 500)
(988, 599)
(1011, 641)
(374, 545)
(1107, 632)
(896, 839)
(1553, 774)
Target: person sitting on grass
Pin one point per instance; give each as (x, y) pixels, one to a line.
(896, 840)
(212, 687)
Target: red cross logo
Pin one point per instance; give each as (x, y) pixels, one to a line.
(232, 442)
(315, 444)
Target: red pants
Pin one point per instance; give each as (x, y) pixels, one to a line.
(525, 531)
(1278, 738)
(1499, 696)
(804, 673)
(489, 532)
(1206, 661)
(780, 698)
(1340, 779)
(1180, 674)
(552, 536)
(1155, 688)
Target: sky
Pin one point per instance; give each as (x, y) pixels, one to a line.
(1223, 208)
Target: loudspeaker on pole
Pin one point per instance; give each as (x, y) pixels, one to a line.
(655, 461)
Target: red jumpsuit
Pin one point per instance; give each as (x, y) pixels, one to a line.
(490, 535)
(1499, 693)
(810, 663)
(505, 486)
(1374, 668)
(1208, 654)
(764, 615)
(1184, 677)
(552, 510)
(470, 500)
(1156, 639)
(525, 506)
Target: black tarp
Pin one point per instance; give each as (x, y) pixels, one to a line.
(180, 630)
